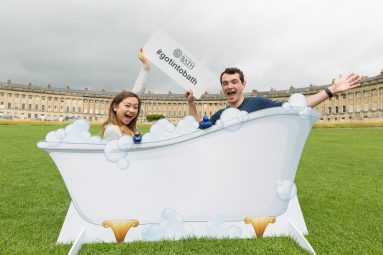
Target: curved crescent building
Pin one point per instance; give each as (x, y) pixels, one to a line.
(27, 101)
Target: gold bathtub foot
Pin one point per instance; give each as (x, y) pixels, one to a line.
(120, 227)
(260, 223)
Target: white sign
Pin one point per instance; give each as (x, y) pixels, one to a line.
(174, 60)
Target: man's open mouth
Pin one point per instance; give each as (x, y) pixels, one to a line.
(231, 93)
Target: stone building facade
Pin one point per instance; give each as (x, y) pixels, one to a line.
(27, 101)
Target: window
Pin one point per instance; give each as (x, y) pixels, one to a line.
(329, 110)
(365, 93)
(9, 105)
(43, 107)
(336, 109)
(350, 95)
(36, 107)
(30, 107)
(351, 108)
(23, 106)
(343, 108)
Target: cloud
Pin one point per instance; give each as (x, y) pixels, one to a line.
(277, 43)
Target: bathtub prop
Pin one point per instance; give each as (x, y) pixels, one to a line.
(234, 179)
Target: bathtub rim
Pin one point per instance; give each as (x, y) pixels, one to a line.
(313, 115)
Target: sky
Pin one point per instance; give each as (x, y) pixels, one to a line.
(277, 43)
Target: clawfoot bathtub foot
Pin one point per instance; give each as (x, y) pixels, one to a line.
(120, 227)
(259, 223)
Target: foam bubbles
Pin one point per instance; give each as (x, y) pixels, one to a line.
(76, 132)
(217, 227)
(53, 139)
(298, 104)
(163, 129)
(112, 151)
(284, 189)
(171, 226)
(123, 163)
(60, 133)
(298, 100)
(125, 142)
(293, 191)
(231, 119)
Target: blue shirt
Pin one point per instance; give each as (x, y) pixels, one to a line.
(249, 104)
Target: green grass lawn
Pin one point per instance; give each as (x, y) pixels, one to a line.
(339, 180)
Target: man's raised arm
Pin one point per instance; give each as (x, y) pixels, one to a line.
(191, 105)
(340, 84)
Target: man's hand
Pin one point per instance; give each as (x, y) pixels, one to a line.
(342, 84)
(143, 58)
(189, 96)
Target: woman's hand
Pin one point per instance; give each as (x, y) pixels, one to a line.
(143, 58)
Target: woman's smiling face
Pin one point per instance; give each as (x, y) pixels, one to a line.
(127, 110)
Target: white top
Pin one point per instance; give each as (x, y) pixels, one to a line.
(112, 132)
(139, 86)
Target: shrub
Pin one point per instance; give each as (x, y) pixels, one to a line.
(153, 117)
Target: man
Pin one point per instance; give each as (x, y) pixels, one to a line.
(233, 82)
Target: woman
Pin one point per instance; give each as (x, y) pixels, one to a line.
(125, 107)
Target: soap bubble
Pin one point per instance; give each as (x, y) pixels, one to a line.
(123, 163)
(112, 152)
(171, 226)
(125, 142)
(232, 119)
(284, 188)
(217, 227)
